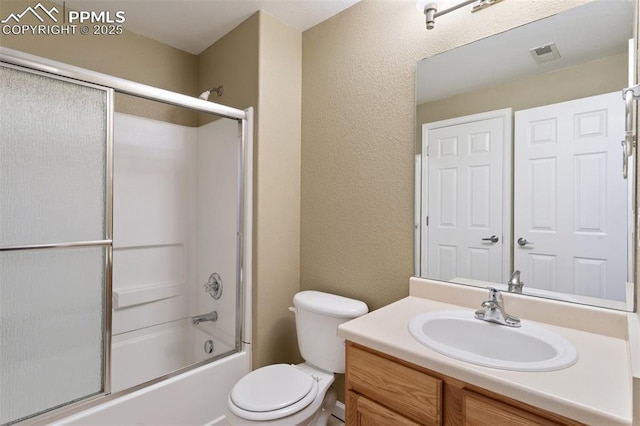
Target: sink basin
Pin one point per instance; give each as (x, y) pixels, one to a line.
(460, 335)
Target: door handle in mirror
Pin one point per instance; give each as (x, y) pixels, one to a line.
(523, 242)
(493, 239)
(625, 160)
(629, 95)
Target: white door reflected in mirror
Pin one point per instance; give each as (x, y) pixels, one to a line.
(464, 204)
(570, 197)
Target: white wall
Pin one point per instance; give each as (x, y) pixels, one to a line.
(154, 208)
(174, 224)
(218, 165)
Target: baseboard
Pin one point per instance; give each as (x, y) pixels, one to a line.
(220, 421)
(338, 411)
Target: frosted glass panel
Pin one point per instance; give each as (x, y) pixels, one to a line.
(51, 328)
(52, 160)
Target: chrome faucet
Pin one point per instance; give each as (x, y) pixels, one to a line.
(493, 310)
(514, 284)
(211, 316)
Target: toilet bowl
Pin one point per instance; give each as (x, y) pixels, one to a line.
(287, 395)
(282, 395)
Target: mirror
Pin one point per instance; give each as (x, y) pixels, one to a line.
(519, 159)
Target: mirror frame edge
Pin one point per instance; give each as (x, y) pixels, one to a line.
(636, 223)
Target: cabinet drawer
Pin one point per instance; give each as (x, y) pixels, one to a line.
(481, 410)
(369, 413)
(409, 392)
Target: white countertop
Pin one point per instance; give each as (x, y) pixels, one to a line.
(595, 390)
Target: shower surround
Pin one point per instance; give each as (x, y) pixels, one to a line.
(174, 209)
(175, 221)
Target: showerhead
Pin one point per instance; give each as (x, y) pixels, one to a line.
(205, 95)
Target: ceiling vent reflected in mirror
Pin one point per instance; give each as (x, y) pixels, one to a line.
(545, 53)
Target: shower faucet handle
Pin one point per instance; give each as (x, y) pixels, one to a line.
(214, 286)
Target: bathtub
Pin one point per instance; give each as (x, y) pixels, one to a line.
(197, 397)
(143, 355)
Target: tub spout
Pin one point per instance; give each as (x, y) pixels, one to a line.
(211, 316)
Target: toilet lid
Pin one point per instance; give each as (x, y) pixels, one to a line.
(272, 388)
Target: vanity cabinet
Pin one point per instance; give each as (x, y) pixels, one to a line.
(382, 390)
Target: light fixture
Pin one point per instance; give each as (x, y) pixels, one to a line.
(432, 9)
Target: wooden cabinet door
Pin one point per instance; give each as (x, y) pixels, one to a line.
(416, 395)
(385, 391)
(479, 410)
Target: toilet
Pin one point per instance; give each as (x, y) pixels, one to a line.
(287, 395)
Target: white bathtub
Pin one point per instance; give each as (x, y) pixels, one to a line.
(198, 397)
(143, 355)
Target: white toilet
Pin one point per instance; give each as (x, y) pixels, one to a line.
(283, 394)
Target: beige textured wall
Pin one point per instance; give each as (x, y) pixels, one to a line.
(589, 79)
(233, 63)
(277, 192)
(358, 121)
(358, 117)
(128, 56)
(592, 78)
(259, 64)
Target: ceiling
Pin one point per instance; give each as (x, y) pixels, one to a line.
(193, 25)
(589, 32)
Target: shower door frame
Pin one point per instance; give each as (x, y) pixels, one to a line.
(55, 69)
(106, 243)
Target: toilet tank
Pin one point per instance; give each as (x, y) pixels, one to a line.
(317, 318)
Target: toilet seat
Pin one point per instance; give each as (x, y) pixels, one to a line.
(272, 392)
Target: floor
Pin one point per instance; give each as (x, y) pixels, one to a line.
(334, 421)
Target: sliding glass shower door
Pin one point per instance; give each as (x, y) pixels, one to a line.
(55, 241)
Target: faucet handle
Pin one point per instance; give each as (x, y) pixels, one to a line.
(494, 295)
